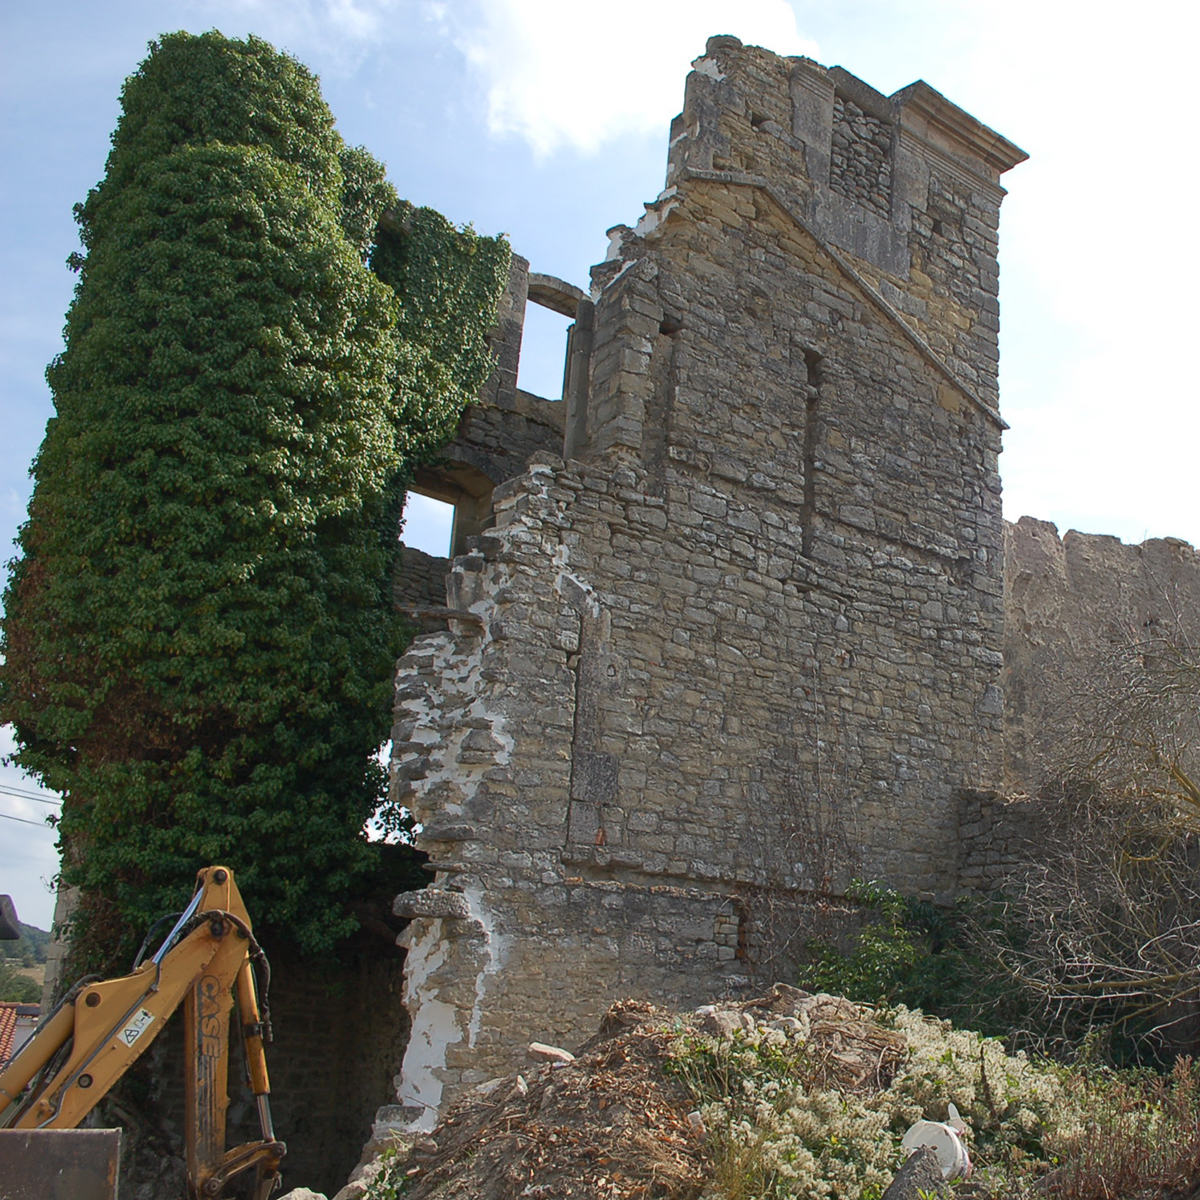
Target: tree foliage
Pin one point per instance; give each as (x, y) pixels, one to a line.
(16, 987)
(199, 633)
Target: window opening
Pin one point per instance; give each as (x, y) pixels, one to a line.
(543, 350)
(428, 525)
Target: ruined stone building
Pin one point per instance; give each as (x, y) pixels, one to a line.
(725, 624)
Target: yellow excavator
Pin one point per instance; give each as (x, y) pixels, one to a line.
(207, 964)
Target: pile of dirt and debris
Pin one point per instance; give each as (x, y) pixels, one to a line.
(799, 1095)
(608, 1124)
(614, 1122)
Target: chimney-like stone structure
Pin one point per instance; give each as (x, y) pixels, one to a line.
(736, 636)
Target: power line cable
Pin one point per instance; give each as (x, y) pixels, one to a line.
(35, 794)
(26, 821)
(20, 795)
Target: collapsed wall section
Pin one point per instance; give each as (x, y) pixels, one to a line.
(745, 641)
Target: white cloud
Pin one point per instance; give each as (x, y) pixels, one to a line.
(576, 75)
(1099, 307)
(341, 32)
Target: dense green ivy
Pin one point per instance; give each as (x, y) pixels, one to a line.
(199, 633)
(443, 277)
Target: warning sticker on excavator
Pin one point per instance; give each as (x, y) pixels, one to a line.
(134, 1030)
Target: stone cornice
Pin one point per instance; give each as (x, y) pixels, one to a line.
(941, 124)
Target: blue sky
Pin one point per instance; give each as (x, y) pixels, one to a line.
(547, 120)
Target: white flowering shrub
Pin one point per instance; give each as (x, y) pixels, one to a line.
(774, 1135)
(1019, 1112)
(777, 1130)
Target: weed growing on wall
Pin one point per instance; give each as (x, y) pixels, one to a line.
(199, 635)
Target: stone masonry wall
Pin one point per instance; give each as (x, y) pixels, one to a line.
(1068, 601)
(420, 580)
(745, 641)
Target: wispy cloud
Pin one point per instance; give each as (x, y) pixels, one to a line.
(342, 32)
(576, 75)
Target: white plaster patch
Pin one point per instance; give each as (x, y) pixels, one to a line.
(656, 214)
(438, 1024)
(616, 239)
(434, 1023)
(496, 947)
(709, 67)
(631, 263)
(450, 964)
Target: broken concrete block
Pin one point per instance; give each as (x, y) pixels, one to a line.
(554, 1054)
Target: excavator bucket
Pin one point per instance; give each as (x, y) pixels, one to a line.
(59, 1164)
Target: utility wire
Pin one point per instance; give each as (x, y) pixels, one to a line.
(26, 821)
(24, 794)
(7, 791)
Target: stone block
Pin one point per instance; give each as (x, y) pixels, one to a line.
(433, 904)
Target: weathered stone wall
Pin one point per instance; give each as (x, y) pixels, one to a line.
(1068, 601)
(420, 580)
(746, 640)
(1071, 604)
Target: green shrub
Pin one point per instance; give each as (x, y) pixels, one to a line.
(912, 952)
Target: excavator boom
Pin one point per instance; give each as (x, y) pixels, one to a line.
(102, 1028)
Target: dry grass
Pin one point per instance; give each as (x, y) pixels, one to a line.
(1141, 1142)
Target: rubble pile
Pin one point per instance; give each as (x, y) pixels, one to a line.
(613, 1121)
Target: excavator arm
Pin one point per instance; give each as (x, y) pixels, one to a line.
(102, 1028)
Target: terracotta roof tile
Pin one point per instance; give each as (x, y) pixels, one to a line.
(8, 1026)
